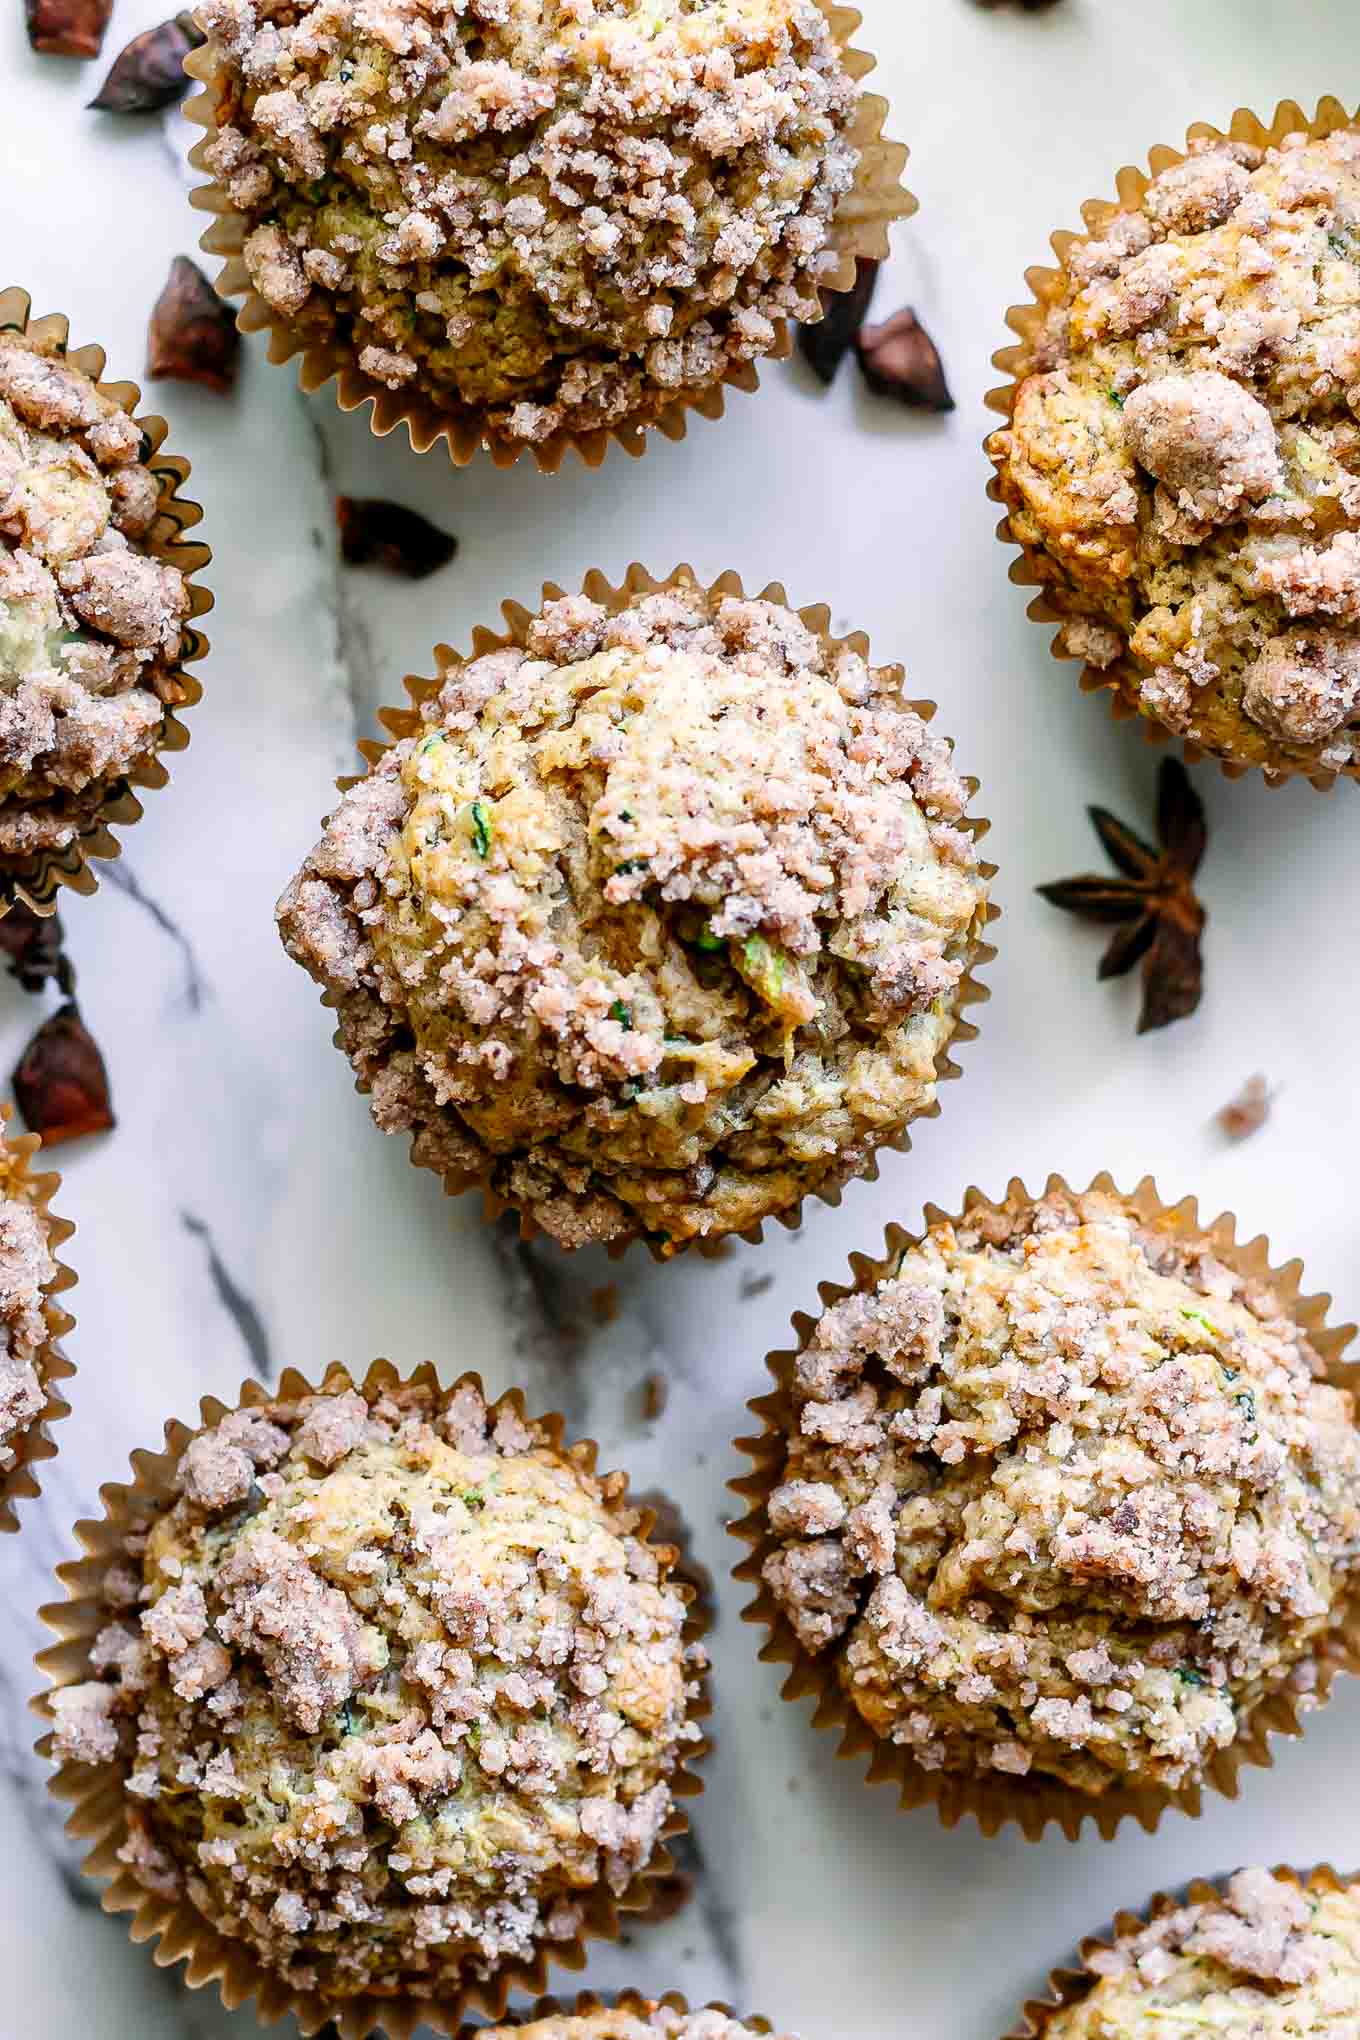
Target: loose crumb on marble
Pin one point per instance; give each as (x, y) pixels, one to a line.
(1248, 1111)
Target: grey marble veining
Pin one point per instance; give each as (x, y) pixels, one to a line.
(246, 1215)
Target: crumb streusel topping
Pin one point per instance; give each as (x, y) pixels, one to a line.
(561, 214)
(90, 625)
(656, 2022)
(657, 925)
(27, 1270)
(1067, 1497)
(1185, 451)
(393, 1688)
(1270, 1960)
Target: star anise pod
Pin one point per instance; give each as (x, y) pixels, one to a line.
(1152, 902)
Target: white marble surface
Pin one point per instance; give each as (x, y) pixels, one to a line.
(246, 1214)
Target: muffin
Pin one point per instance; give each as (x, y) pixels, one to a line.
(92, 616)
(1267, 1958)
(1062, 1499)
(394, 1688)
(31, 1363)
(654, 922)
(547, 218)
(1182, 462)
(631, 2018)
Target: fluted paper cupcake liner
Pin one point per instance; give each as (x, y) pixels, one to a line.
(35, 879)
(860, 229)
(20, 1483)
(631, 2001)
(1034, 568)
(636, 583)
(96, 1794)
(1070, 1984)
(1031, 1802)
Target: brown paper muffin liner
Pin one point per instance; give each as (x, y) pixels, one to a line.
(637, 582)
(860, 228)
(96, 1796)
(1031, 1802)
(36, 878)
(1034, 568)
(1069, 1985)
(632, 2001)
(17, 1179)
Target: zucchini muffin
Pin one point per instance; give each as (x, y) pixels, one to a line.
(1183, 458)
(1269, 1959)
(395, 1687)
(1065, 1498)
(642, 2021)
(90, 624)
(27, 1272)
(557, 215)
(656, 925)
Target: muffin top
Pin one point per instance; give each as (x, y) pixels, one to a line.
(394, 1688)
(656, 925)
(1267, 1961)
(26, 1271)
(89, 624)
(1066, 1497)
(618, 2023)
(557, 214)
(1185, 450)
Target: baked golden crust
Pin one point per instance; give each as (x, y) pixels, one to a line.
(91, 624)
(1182, 463)
(552, 215)
(659, 923)
(393, 1685)
(1063, 1498)
(1272, 1958)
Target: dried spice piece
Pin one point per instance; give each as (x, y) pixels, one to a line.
(825, 345)
(33, 944)
(374, 532)
(67, 28)
(1153, 902)
(899, 359)
(192, 336)
(1248, 1112)
(61, 1084)
(655, 1395)
(149, 73)
(604, 1303)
